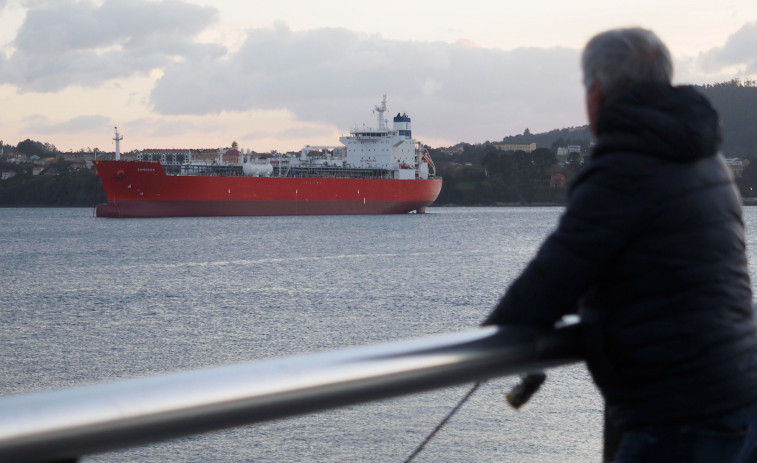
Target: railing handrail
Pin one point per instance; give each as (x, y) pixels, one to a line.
(70, 423)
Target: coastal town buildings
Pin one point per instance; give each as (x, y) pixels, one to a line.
(528, 148)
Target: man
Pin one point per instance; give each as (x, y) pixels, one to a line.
(650, 252)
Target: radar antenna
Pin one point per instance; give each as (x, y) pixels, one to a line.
(381, 110)
(118, 145)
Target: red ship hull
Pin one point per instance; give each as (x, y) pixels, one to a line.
(142, 189)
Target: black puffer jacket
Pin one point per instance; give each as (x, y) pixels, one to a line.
(651, 252)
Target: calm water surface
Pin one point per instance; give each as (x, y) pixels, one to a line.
(88, 300)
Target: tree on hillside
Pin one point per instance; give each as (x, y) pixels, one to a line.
(60, 165)
(543, 159)
(35, 148)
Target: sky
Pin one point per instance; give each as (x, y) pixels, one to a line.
(289, 73)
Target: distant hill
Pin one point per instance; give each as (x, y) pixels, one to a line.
(482, 174)
(554, 138)
(735, 101)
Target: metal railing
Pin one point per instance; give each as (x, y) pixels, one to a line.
(64, 425)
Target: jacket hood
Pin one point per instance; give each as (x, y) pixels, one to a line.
(674, 123)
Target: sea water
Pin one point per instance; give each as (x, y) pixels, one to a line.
(88, 300)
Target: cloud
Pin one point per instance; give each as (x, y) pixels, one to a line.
(335, 76)
(331, 76)
(301, 132)
(171, 126)
(739, 50)
(63, 43)
(40, 124)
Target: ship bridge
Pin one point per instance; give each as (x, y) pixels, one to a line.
(371, 134)
(382, 148)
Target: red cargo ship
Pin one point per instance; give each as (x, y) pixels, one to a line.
(376, 171)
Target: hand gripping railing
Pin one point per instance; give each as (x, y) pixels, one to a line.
(63, 425)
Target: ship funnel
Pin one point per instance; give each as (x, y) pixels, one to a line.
(402, 125)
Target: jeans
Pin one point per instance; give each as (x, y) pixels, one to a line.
(730, 439)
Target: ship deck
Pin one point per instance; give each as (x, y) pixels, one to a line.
(279, 171)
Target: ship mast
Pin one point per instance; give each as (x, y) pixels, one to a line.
(381, 110)
(118, 145)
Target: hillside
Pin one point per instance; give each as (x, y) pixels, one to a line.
(481, 174)
(736, 102)
(554, 138)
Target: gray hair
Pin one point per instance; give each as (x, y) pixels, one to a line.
(621, 58)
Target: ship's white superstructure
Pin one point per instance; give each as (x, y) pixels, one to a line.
(381, 148)
(390, 151)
